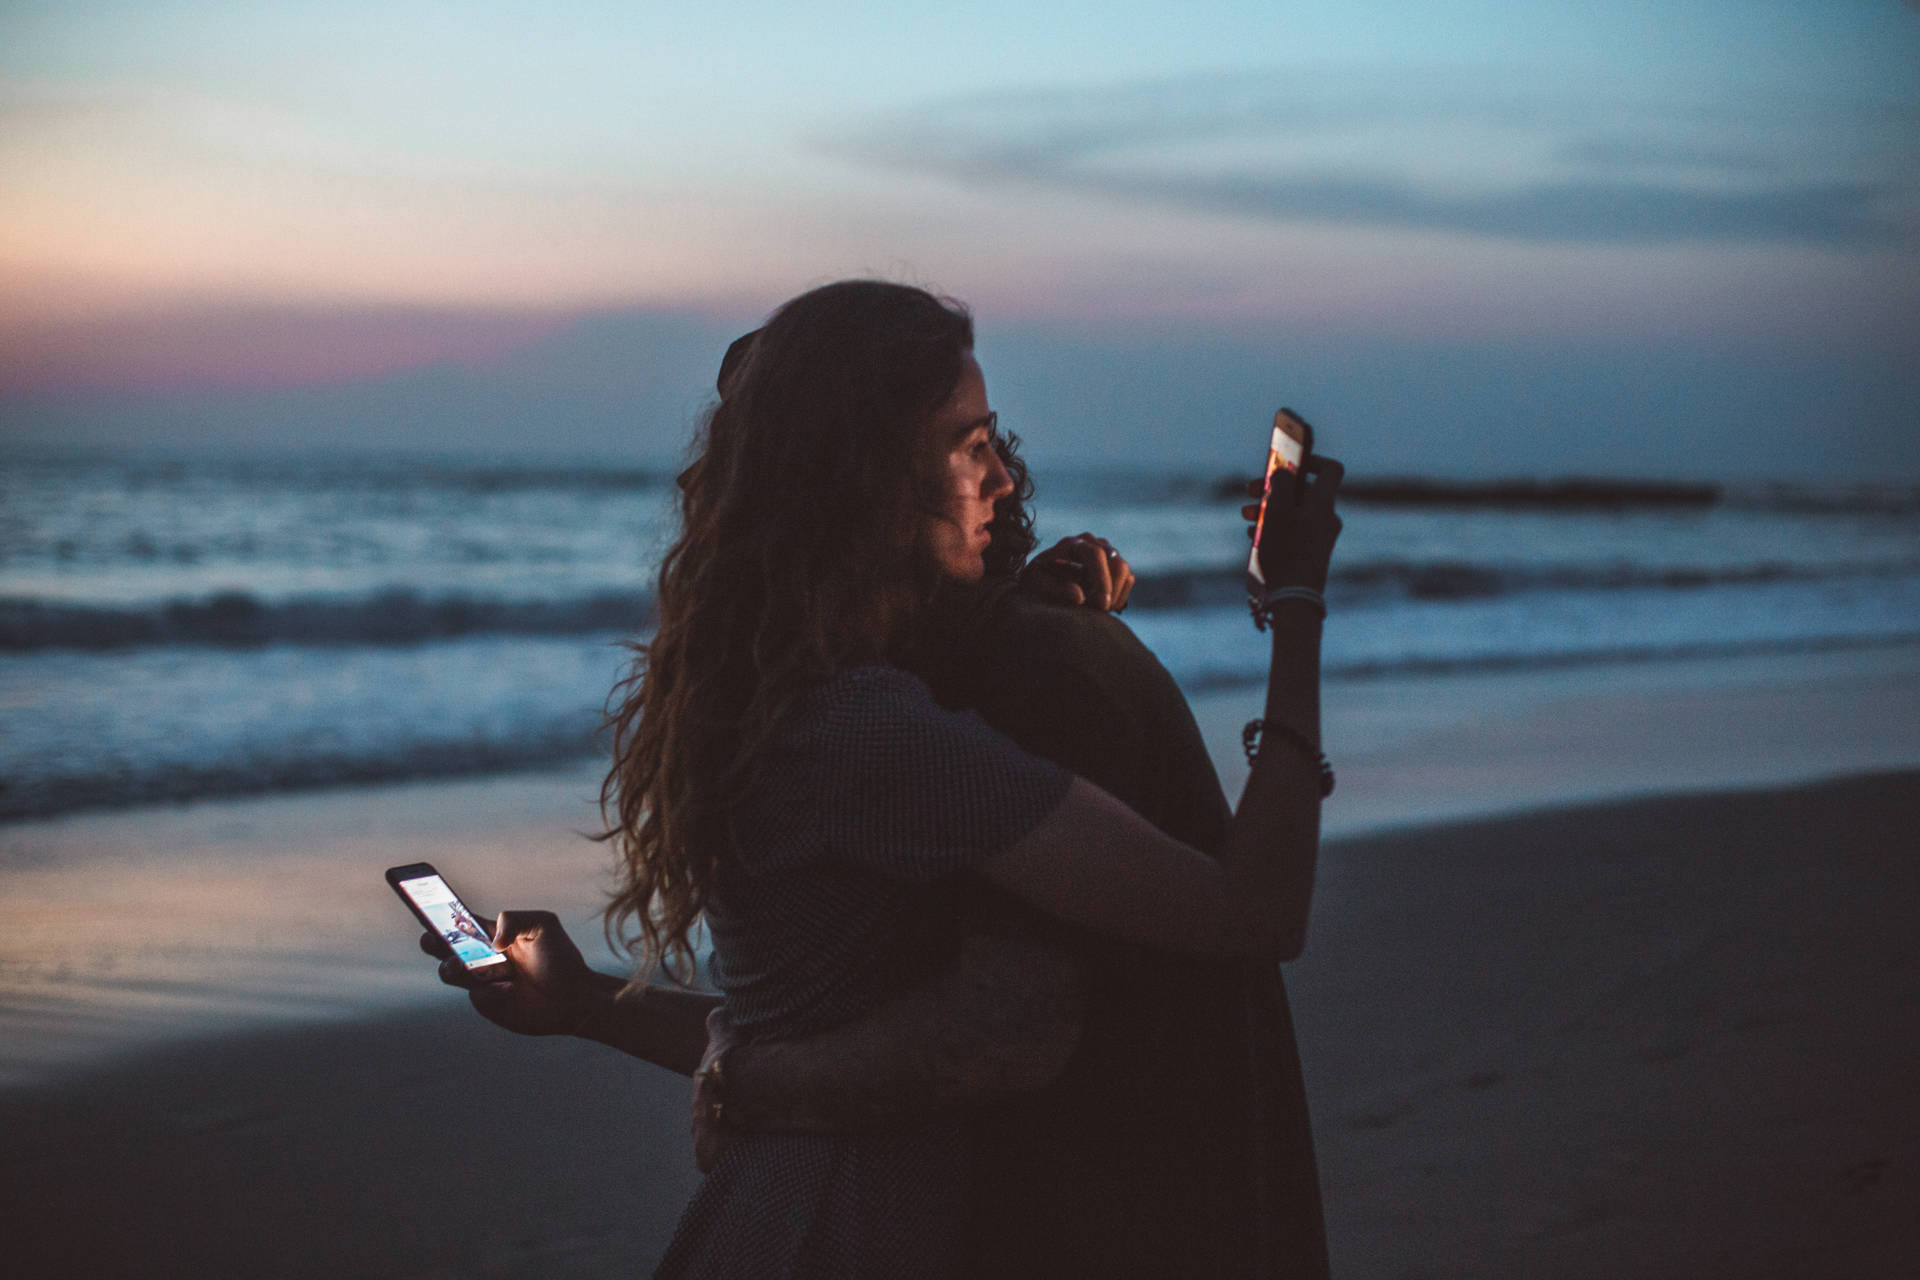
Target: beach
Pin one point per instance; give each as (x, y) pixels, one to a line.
(1610, 1026)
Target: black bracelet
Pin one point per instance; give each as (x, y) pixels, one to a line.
(1262, 610)
(1256, 730)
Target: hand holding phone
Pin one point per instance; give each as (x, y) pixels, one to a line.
(536, 983)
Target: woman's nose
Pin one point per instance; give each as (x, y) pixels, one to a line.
(998, 482)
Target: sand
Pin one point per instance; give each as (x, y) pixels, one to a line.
(1672, 1037)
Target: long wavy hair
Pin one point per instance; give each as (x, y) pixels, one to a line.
(798, 556)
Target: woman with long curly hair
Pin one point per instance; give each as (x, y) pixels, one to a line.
(780, 774)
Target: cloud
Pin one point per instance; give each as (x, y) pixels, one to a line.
(1587, 211)
(1500, 158)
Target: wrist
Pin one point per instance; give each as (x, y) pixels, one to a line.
(1258, 734)
(1293, 601)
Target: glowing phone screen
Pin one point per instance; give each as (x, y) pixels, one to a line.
(452, 920)
(1285, 453)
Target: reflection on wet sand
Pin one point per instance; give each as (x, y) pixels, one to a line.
(119, 928)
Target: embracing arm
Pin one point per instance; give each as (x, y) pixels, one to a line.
(1004, 1017)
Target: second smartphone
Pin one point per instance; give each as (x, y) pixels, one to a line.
(440, 909)
(1287, 450)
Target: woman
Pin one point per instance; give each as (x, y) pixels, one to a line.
(779, 775)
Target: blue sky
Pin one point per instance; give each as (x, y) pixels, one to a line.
(1640, 238)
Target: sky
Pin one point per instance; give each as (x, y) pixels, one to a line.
(1463, 237)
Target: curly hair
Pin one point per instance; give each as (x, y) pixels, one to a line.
(797, 557)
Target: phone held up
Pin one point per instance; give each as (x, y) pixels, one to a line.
(1286, 481)
(442, 912)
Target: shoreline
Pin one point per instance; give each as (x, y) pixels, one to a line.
(1650, 1037)
(81, 797)
(118, 929)
(1413, 751)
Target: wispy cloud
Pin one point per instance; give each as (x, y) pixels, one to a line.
(1499, 158)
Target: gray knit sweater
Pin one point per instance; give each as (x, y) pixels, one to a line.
(869, 797)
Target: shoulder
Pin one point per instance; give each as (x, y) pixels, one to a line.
(1089, 651)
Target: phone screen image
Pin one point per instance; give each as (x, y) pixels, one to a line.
(1286, 453)
(449, 917)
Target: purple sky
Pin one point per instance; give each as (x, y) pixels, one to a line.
(1468, 236)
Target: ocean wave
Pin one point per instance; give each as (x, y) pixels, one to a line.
(241, 620)
(107, 777)
(399, 616)
(90, 729)
(1619, 655)
(86, 729)
(53, 793)
(1370, 582)
(1580, 494)
(1577, 494)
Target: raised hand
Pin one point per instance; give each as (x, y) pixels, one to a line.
(549, 991)
(1081, 570)
(1297, 543)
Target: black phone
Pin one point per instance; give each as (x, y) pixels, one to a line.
(439, 908)
(1287, 451)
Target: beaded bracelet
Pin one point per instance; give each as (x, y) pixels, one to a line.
(1256, 730)
(1262, 610)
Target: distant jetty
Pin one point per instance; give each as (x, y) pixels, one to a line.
(1578, 493)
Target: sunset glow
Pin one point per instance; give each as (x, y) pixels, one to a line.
(202, 195)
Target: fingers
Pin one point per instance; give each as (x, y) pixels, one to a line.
(455, 974)
(515, 925)
(1096, 572)
(1082, 570)
(1121, 574)
(435, 945)
(1327, 474)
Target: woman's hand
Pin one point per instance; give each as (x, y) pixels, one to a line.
(549, 990)
(1082, 570)
(713, 1130)
(1297, 543)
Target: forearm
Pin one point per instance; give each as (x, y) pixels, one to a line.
(1274, 842)
(1004, 1019)
(666, 1026)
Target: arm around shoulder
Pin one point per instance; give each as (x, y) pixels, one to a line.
(1096, 863)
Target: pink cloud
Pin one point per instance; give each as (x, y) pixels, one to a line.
(255, 345)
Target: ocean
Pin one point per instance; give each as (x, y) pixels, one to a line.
(192, 627)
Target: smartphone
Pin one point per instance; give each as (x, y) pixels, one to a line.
(1287, 451)
(440, 909)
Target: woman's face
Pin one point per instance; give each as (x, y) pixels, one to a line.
(962, 473)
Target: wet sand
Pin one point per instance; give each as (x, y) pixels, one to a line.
(1672, 1037)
